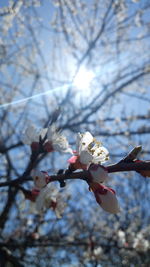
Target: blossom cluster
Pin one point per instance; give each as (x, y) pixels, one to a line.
(130, 242)
(45, 195)
(53, 139)
(89, 155)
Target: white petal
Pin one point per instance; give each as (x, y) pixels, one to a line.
(61, 144)
(28, 135)
(83, 140)
(52, 132)
(66, 150)
(26, 140)
(99, 175)
(100, 155)
(60, 208)
(40, 200)
(109, 202)
(69, 150)
(85, 157)
(47, 194)
(39, 178)
(43, 132)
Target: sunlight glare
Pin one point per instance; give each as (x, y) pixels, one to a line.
(83, 79)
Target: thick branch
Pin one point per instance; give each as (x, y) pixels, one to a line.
(133, 166)
(118, 167)
(84, 175)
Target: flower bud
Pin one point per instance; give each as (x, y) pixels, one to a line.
(105, 197)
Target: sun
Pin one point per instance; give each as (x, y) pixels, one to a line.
(83, 79)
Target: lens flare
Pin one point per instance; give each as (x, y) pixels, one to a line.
(83, 79)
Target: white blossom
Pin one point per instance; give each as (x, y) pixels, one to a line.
(54, 140)
(59, 142)
(32, 134)
(98, 251)
(121, 238)
(90, 150)
(49, 198)
(140, 243)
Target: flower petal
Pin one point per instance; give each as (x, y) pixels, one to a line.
(100, 154)
(40, 178)
(51, 132)
(49, 198)
(85, 157)
(43, 132)
(59, 142)
(83, 140)
(31, 134)
(73, 159)
(105, 197)
(98, 173)
(47, 194)
(109, 202)
(62, 145)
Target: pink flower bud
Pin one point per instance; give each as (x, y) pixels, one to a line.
(105, 197)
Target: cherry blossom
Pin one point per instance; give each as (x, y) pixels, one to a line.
(58, 141)
(88, 150)
(121, 237)
(140, 243)
(54, 141)
(49, 197)
(31, 134)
